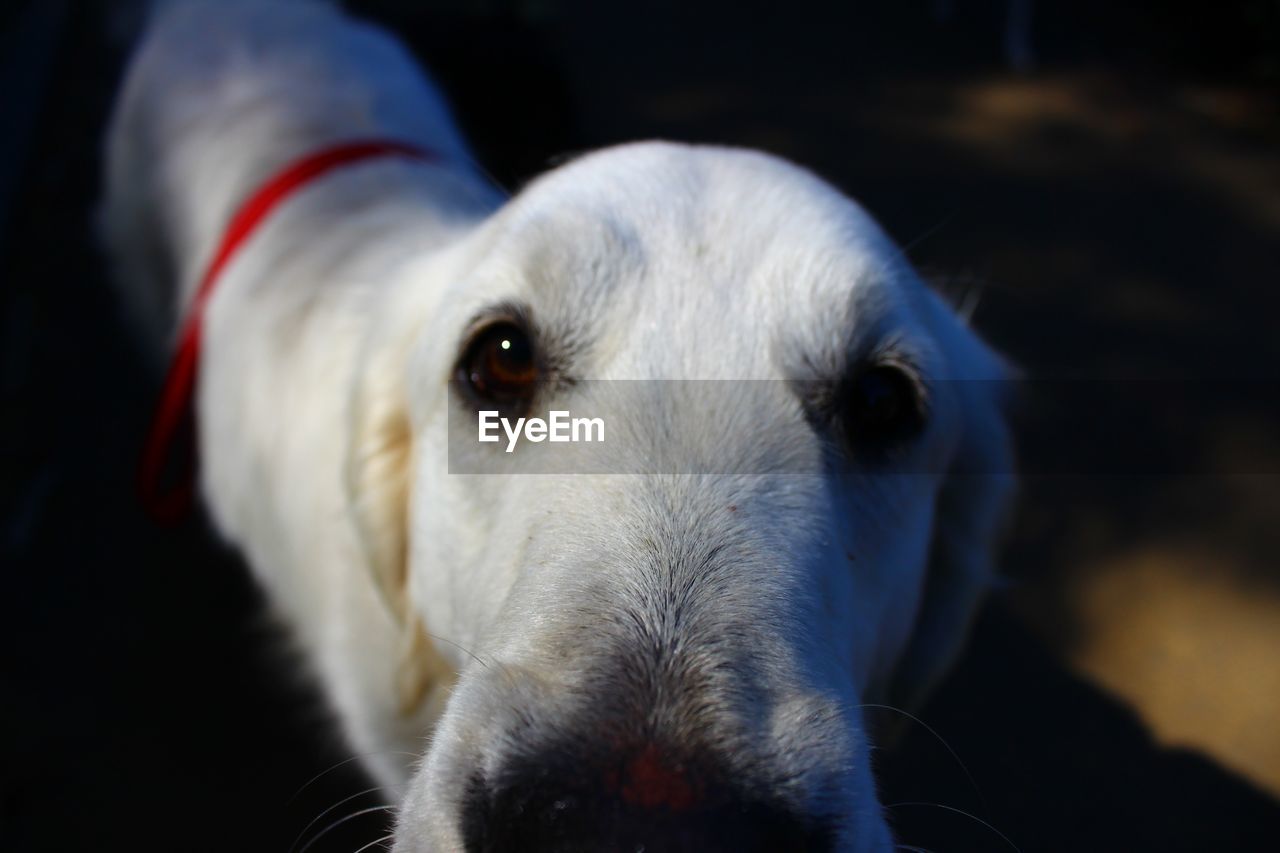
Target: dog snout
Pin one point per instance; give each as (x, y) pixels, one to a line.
(642, 799)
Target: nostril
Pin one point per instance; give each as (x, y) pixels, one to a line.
(649, 803)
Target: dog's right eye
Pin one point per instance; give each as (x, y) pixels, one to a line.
(500, 366)
(883, 405)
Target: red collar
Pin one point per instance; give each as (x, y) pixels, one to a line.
(169, 452)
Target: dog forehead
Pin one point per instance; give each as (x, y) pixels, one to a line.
(699, 201)
(718, 240)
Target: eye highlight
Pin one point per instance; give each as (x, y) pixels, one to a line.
(500, 366)
(883, 405)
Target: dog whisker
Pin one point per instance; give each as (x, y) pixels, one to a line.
(466, 651)
(929, 232)
(383, 840)
(318, 817)
(340, 764)
(962, 812)
(340, 821)
(928, 728)
(475, 657)
(970, 299)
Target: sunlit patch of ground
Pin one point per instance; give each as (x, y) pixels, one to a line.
(1188, 640)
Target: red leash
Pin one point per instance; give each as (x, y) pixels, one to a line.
(170, 446)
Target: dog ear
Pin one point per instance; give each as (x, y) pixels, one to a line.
(972, 510)
(379, 467)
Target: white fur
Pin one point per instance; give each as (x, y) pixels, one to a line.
(323, 396)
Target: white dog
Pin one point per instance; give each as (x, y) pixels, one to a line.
(596, 661)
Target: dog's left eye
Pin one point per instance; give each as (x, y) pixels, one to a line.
(883, 405)
(499, 365)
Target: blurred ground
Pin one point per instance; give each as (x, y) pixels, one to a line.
(1118, 206)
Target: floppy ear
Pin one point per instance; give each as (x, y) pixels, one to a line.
(379, 467)
(973, 507)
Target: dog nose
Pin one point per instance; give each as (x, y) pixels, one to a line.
(643, 803)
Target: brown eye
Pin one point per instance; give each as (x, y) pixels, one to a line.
(883, 406)
(499, 365)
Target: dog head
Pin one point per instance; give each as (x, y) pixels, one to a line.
(666, 645)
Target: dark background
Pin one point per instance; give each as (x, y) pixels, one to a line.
(1111, 192)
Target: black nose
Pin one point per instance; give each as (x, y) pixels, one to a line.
(644, 802)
